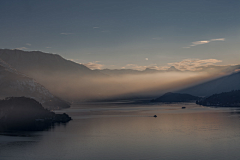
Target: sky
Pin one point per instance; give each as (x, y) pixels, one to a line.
(117, 34)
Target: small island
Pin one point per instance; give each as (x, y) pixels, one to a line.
(175, 97)
(225, 99)
(27, 114)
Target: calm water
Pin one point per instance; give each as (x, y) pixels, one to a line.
(124, 131)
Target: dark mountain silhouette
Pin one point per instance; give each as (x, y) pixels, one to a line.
(21, 113)
(225, 99)
(151, 70)
(175, 97)
(14, 83)
(172, 69)
(223, 84)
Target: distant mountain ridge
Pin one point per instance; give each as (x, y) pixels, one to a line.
(175, 97)
(208, 69)
(117, 72)
(219, 85)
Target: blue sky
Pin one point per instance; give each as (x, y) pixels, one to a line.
(115, 34)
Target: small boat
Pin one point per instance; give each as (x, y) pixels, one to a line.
(155, 116)
(183, 107)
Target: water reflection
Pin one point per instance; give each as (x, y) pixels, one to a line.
(130, 132)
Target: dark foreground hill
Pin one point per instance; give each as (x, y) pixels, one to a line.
(223, 84)
(175, 97)
(225, 99)
(21, 113)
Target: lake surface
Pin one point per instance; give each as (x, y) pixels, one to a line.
(129, 131)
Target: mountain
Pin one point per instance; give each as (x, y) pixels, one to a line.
(15, 84)
(219, 85)
(175, 97)
(172, 69)
(225, 99)
(63, 78)
(36, 63)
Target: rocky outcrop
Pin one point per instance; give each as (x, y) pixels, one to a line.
(21, 113)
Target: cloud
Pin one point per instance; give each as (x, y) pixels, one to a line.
(237, 70)
(204, 42)
(193, 64)
(146, 59)
(95, 27)
(93, 65)
(22, 48)
(222, 69)
(135, 67)
(141, 68)
(28, 44)
(66, 33)
(184, 65)
(199, 42)
(48, 47)
(219, 39)
(162, 68)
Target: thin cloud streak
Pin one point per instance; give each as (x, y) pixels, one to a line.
(204, 42)
(219, 39)
(22, 48)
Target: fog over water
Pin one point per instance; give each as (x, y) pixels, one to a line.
(73, 87)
